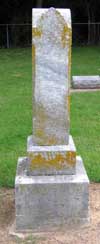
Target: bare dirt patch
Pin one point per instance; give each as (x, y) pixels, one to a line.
(89, 234)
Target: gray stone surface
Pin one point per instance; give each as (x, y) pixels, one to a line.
(86, 82)
(48, 202)
(51, 39)
(48, 153)
(48, 199)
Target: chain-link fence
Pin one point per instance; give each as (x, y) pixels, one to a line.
(20, 35)
(86, 33)
(15, 35)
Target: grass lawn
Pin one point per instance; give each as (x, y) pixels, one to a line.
(86, 61)
(16, 111)
(85, 128)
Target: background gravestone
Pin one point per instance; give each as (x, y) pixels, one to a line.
(51, 183)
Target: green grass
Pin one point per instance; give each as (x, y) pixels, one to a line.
(85, 128)
(86, 61)
(16, 111)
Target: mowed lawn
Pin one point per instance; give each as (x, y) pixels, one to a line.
(16, 110)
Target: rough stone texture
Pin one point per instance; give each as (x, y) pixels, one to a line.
(51, 40)
(86, 82)
(49, 193)
(47, 160)
(46, 202)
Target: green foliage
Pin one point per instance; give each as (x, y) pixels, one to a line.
(16, 111)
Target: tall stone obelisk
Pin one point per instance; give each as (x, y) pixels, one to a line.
(51, 43)
(51, 60)
(51, 187)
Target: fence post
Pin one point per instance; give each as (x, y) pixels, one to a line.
(7, 35)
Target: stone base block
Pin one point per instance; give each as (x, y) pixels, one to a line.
(47, 202)
(86, 82)
(51, 160)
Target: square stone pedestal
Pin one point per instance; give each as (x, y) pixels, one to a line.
(51, 160)
(47, 202)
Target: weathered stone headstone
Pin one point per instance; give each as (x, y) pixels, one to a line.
(51, 39)
(51, 183)
(86, 82)
(51, 45)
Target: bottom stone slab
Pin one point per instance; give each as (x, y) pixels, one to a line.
(47, 202)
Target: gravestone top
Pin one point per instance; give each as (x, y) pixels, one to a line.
(36, 14)
(51, 39)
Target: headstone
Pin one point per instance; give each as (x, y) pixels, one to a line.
(51, 39)
(51, 44)
(51, 186)
(86, 82)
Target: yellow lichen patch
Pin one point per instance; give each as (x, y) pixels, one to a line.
(33, 57)
(69, 56)
(71, 157)
(58, 161)
(52, 141)
(69, 103)
(33, 61)
(36, 32)
(40, 133)
(65, 34)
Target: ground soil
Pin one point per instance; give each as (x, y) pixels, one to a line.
(89, 234)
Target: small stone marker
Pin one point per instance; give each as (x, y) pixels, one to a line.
(51, 186)
(86, 82)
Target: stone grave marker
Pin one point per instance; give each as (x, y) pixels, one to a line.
(51, 186)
